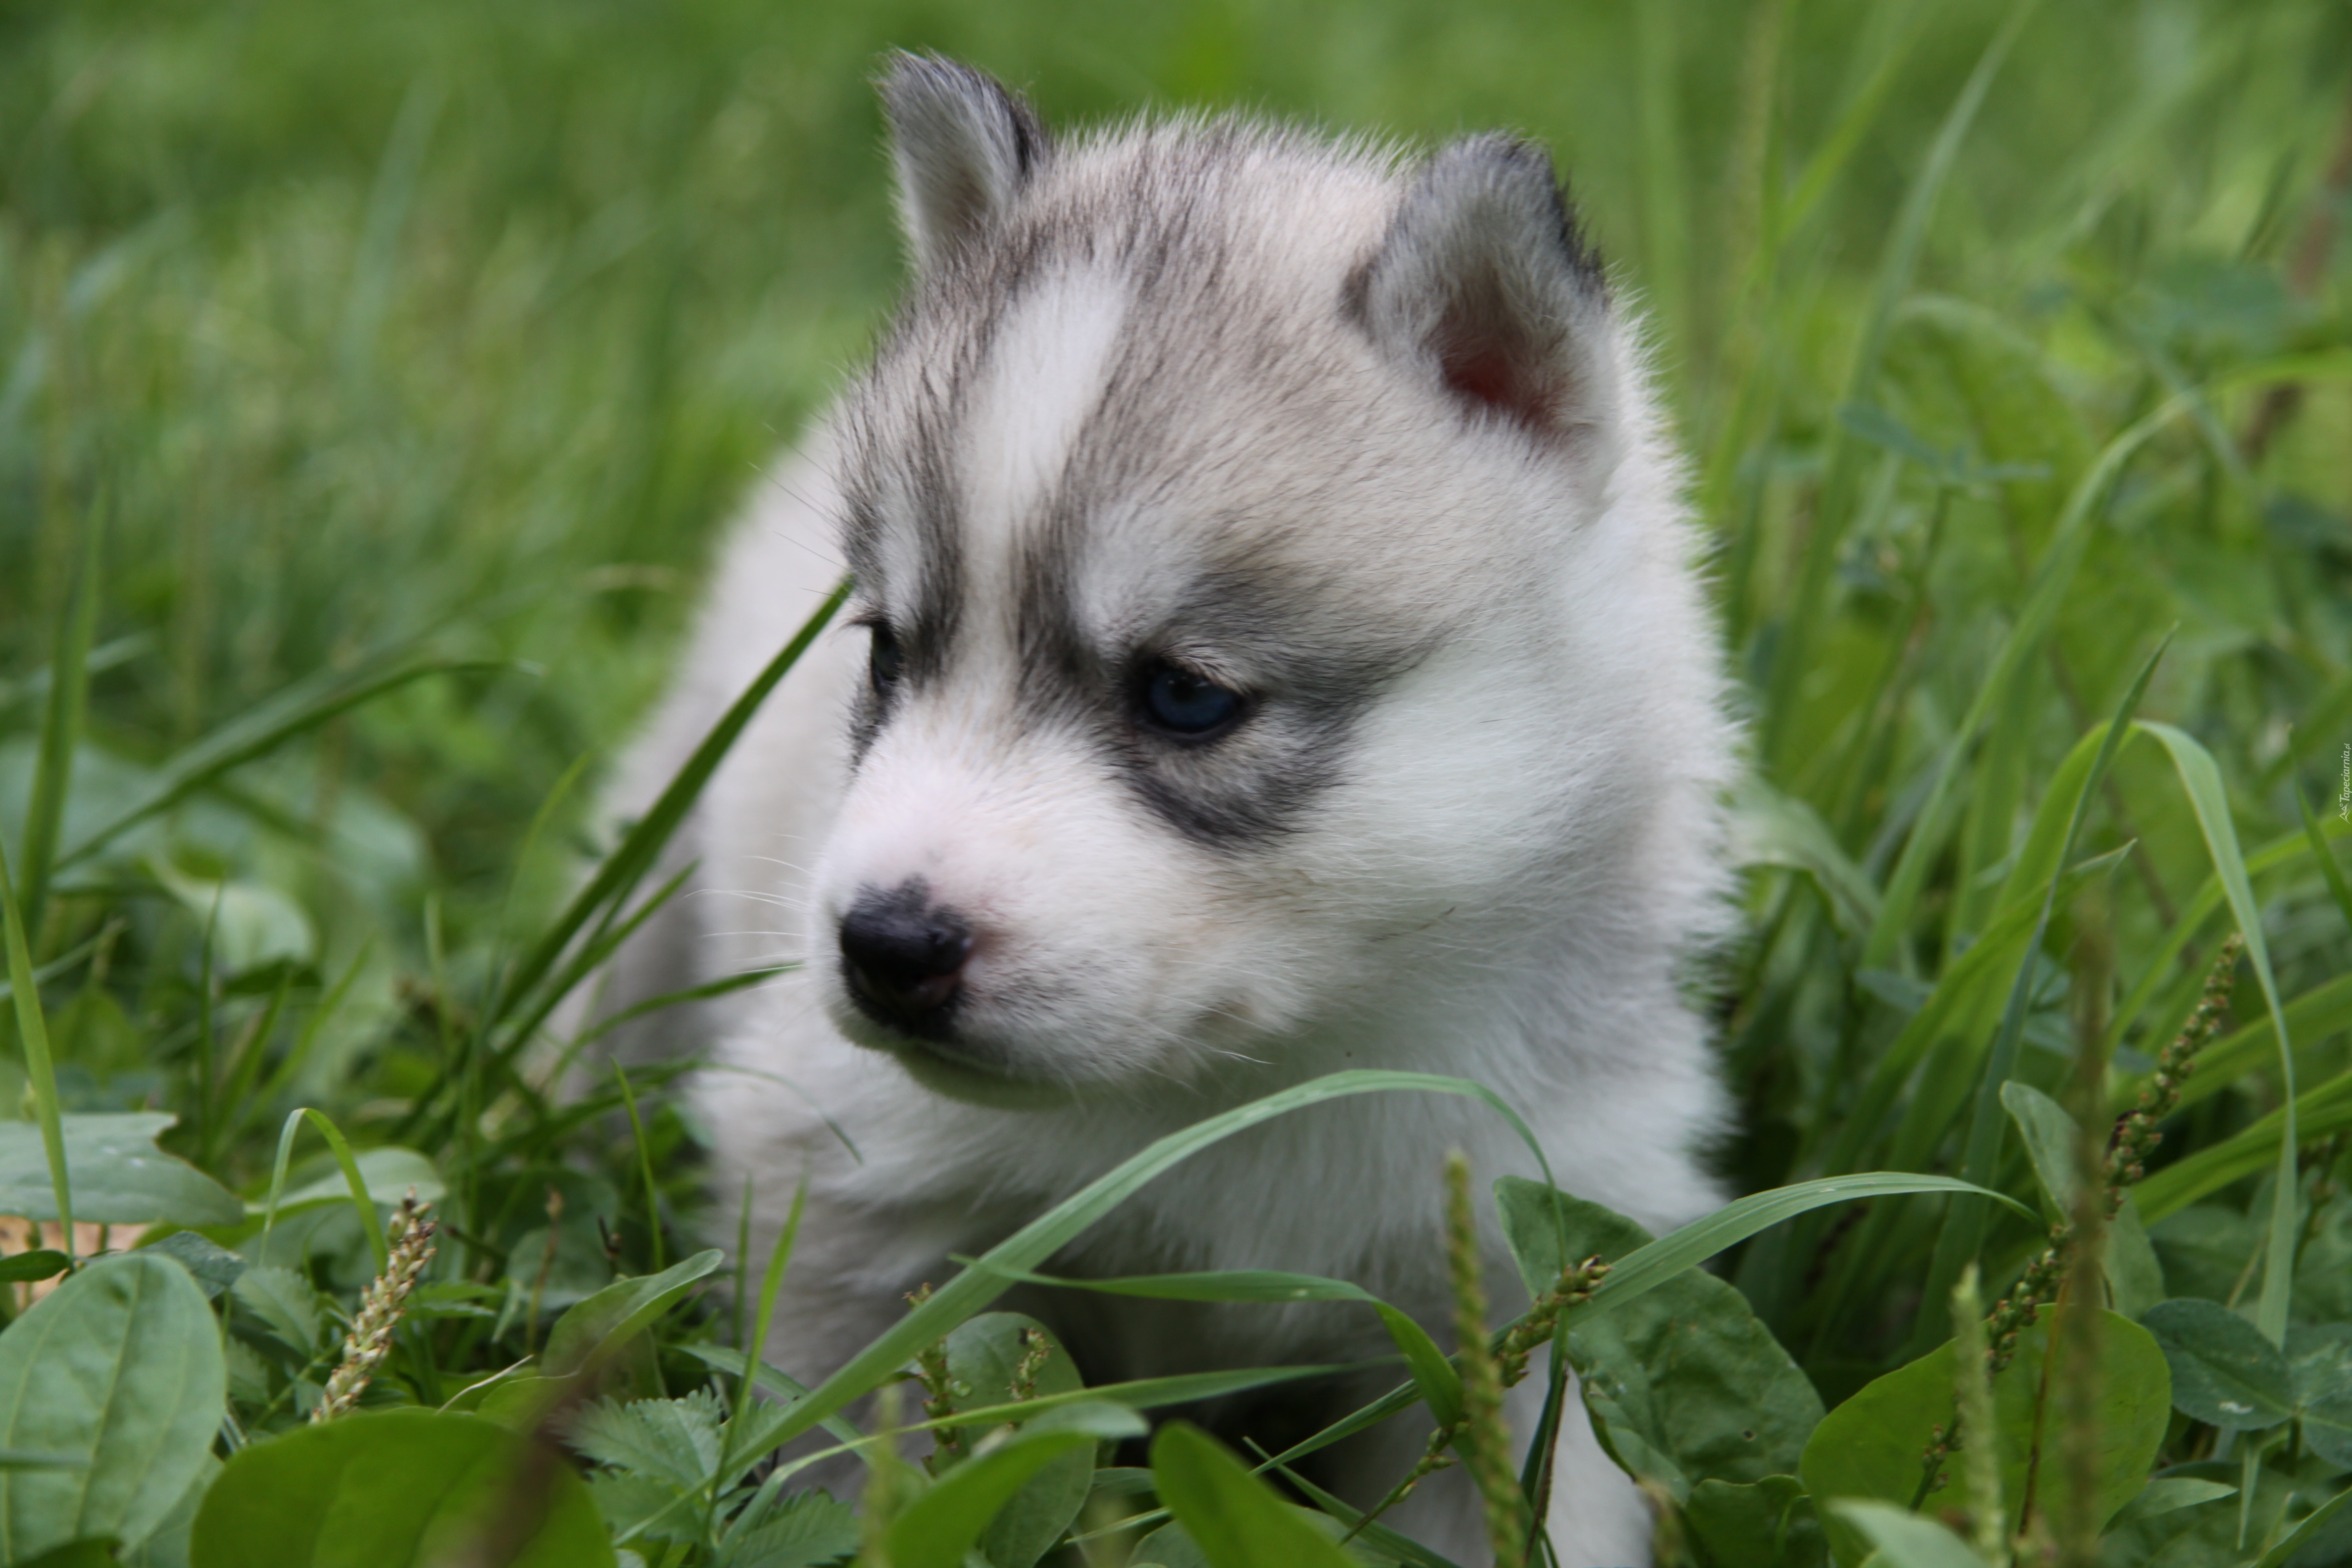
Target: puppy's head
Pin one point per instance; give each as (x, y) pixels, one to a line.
(1220, 505)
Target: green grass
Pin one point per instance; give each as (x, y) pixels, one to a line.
(374, 379)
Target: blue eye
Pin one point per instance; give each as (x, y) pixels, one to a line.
(1184, 703)
(886, 661)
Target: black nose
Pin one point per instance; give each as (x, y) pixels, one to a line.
(903, 955)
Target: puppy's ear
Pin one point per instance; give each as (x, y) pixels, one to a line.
(963, 145)
(1483, 284)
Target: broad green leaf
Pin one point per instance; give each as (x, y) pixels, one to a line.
(97, 1551)
(2223, 1371)
(41, 1263)
(2050, 1136)
(469, 1398)
(247, 926)
(396, 1489)
(1904, 1539)
(283, 1299)
(800, 1532)
(983, 1355)
(166, 1545)
(387, 1173)
(728, 1360)
(2134, 1274)
(120, 1369)
(1440, 1384)
(1358, 1536)
(2305, 1533)
(1769, 1523)
(1870, 1447)
(1683, 1386)
(213, 1268)
(119, 1176)
(2170, 1494)
(2319, 1362)
(672, 1440)
(1650, 1266)
(1234, 1519)
(1168, 1547)
(939, 1527)
(599, 1325)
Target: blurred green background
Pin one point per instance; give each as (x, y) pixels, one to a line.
(363, 324)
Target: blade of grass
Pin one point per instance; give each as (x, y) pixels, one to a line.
(2313, 1017)
(61, 728)
(2202, 778)
(726, 986)
(341, 1147)
(109, 655)
(1897, 268)
(302, 707)
(630, 860)
(32, 1028)
(282, 1076)
(2070, 537)
(64, 963)
(1956, 990)
(1962, 1236)
(646, 1167)
(2337, 888)
(973, 1288)
(503, 929)
(500, 1057)
(770, 1285)
(638, 848)
(2320, 1112)
(2162, 963)
(1441, 1389)
(237, 1098)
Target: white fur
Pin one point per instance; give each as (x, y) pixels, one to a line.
(1521, 847)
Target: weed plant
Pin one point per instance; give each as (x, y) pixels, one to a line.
(375, 378)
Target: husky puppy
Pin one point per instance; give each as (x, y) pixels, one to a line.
(1274, 649)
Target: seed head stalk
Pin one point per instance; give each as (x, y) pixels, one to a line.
(1487, 1439)
(369, 1339)
(2135, 1139)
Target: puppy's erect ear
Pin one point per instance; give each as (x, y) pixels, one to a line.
(964, 146)
(1483, 283)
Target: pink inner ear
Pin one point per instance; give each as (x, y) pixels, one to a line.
(1489, 374)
